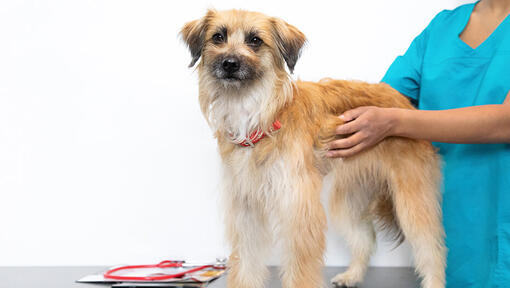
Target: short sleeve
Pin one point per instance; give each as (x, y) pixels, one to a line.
(404, 74)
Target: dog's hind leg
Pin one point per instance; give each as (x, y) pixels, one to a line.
(419, 215)
(347, 206)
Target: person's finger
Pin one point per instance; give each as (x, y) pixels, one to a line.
(347, 142)
(349, 115)
(344, 153)
(347, 128)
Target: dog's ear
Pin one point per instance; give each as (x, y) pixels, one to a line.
(193, 34)
(289, 41)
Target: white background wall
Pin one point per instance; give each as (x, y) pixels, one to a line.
(104, 155)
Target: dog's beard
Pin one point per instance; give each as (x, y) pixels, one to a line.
(238, 112)
(235, 107)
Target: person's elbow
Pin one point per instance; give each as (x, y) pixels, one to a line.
(506, 137)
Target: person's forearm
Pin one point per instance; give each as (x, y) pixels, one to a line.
(477, 124)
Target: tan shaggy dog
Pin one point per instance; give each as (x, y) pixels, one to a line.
(273, 183)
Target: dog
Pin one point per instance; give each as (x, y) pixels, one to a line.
(272, 134)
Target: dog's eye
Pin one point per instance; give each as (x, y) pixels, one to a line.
(255, 41)
(218, 38)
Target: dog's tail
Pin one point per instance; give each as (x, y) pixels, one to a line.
(385, 217)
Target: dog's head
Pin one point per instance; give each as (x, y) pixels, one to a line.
(238, 47)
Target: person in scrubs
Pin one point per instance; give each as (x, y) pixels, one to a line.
(457, 72)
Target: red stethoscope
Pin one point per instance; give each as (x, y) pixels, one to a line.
(163, 264)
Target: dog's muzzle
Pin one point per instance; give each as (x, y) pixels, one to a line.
(232, 69)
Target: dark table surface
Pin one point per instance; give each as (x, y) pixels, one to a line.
(64, 277)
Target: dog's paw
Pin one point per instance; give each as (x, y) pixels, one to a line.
(346, 279)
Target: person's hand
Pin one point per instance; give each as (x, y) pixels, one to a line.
(368, 126)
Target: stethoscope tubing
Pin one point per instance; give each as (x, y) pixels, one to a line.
(163, 264)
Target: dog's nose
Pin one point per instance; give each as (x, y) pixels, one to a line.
(230, 65)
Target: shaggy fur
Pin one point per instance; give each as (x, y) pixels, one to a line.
(273, 189)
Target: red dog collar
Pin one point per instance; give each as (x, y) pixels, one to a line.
(257, 135)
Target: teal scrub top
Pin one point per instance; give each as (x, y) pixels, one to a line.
(439, 71)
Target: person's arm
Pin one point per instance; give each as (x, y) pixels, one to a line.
(370, 125)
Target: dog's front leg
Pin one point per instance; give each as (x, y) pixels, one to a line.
(303, 225)
(249, 239)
